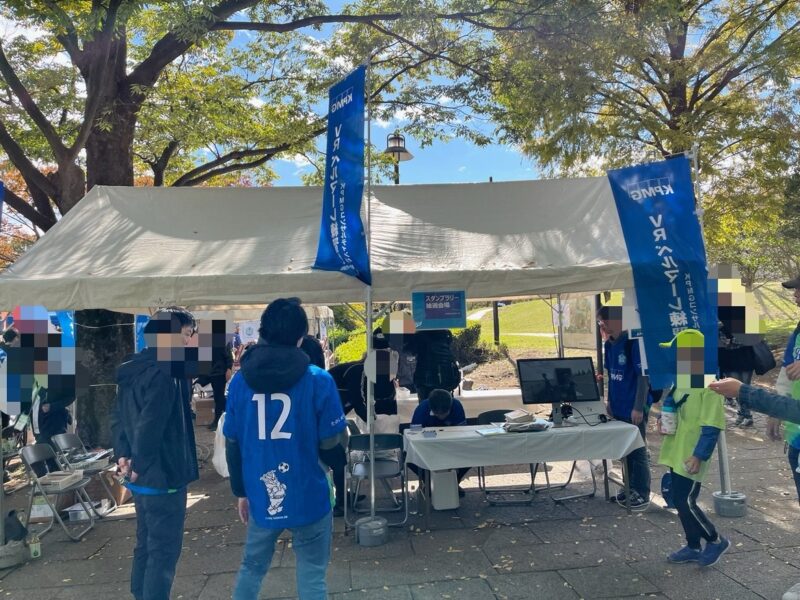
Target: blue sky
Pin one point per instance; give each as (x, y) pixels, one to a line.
(456, 161)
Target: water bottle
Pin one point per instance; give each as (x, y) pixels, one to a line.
(35, 546)
(669, 416)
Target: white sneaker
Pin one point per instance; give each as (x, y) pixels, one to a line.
(793, 593)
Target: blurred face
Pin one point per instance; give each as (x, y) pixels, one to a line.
(796, 293)
(167, 342)
(175, 340)
(610, 328)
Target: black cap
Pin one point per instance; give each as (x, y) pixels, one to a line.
(792, 284)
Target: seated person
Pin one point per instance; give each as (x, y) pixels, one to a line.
(440, 409)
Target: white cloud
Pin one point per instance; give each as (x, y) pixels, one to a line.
(462, 169)
(298, 160)
(255, 101)
(12, 29)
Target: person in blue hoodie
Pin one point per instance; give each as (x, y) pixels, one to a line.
(281, 413)
(154, 443)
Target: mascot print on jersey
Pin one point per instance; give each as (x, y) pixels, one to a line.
(275, 489)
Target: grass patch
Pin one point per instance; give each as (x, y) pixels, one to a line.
(775, 303)
(778, 332)
(531, 316)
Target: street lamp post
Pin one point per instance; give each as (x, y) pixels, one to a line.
(396, 148)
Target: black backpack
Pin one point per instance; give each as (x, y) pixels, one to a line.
(436, 366)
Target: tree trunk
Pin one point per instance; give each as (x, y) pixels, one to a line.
(109, 154)
(106, 337)
(109, 149)
(102, 350)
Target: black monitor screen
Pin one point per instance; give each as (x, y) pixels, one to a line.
(549, 380)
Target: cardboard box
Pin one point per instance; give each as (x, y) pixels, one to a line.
(119, 492)
(204, 411)
(40, 511)
(77, 513)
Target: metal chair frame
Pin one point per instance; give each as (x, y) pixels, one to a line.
(66, 445)
(385, 469)
(497, 495)
(40, 454)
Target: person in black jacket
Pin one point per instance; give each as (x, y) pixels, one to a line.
(155, 447)
(220, 374)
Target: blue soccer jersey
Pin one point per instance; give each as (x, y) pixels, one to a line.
(624, 369)
(279, 436)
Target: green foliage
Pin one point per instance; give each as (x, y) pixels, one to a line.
(338, 335)
(592, 84)
(353, 349)
(468, 347)
(745, 225)
(347, 318)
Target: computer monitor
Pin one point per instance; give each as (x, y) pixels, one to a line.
(557, 380)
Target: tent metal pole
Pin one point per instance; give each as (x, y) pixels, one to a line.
(560, 310)
(368, 307)
(598, 340)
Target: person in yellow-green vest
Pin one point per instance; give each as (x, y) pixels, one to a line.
(687, 451)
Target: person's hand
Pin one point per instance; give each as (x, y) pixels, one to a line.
(692, 465)
(598, 377)
(124, 465)
(45, 408)
(793, 371)
(728, 387)
(133, 477)
(773, 428)
(636, 417)
(244, 510)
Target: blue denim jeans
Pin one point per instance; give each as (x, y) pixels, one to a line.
(159, 540)
(312, 547)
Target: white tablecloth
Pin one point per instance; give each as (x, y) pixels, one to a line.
(456, 447)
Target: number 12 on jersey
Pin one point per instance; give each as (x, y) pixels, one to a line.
(276, 434)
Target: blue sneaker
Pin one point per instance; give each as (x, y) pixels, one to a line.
(684, 555)
(713, 552)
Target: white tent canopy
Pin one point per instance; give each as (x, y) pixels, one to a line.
(123, 247)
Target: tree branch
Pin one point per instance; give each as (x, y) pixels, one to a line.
(226, 158)
(27, 211)
(170, 47)
(228, 169)
(69, 39)
(26, 168)
(30, 106)
(100, 76)
(326, 19)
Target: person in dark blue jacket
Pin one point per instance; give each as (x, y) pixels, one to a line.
(440, 409)
(154, 443)
(627, 398)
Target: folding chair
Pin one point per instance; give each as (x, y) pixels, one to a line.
(68, 446)
(38, 455)
(498, 496)
(358, 467)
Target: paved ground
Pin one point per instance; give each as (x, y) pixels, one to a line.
(581, 549)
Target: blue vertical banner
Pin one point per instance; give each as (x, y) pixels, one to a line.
(656, 206)
(342, 240)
